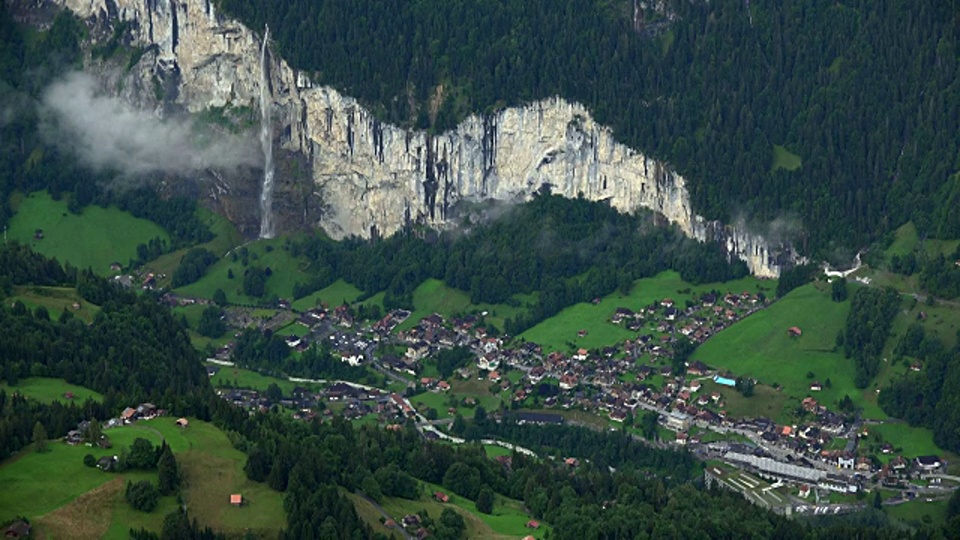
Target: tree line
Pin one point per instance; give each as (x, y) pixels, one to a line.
(864, 93)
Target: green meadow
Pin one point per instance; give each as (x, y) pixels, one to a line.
(95, 238)
(236, 377)
(285, 272)
(48, 390)
(335, 294)
(225, 238)
(56, 300)
(434, 296)
(760, 347)
(560, 332)
(64, 498)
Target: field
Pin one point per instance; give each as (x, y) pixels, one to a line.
(68, 499)
(48, 390)
(434, 296)
(759, 347)
(225, 237)
(919, 512)
(906, 440)
(286, 272)
(95, 238)
(765, 401)
(785, 159)
(560, 332)
(56, 300)
(507, 521)
(235, 377)
(333, 295)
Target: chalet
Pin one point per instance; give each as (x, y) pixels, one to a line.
(74, 437)
(804, 491)
(236, 499)
(928, 463)
(620, 314)
(494, 376)
(212, 370)
(846, 461)
(677, 421)
(411, 520)
(182, 422)
(695, 386)
(488, 362)
(147, 410)
(670, 313)
(715, 397)
(816, 386)
(128, 414)
(915, 366)
(443, 386)
(533, 524)
(667, 302)
(697, 368)
(794, 331)
(618, 415)
(568, 382)
(441, 496)
(681, 438)
(581, 355)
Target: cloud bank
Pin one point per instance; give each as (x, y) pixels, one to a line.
(107, 134)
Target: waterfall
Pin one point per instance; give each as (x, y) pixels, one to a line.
(266, 143)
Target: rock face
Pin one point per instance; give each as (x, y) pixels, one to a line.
(376, 177)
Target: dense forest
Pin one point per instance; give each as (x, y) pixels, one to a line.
(570, 250)
(866, 93)
(871, 316)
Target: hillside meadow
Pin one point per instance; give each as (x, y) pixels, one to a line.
(67, 499)
(95, 238)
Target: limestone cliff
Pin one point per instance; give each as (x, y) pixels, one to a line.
(376, 177)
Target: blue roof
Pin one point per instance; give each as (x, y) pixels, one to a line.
(724, 381)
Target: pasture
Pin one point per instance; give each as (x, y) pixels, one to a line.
(434, 296)
(560, 332)
(67, 499)
(285, 272)
(333, 295)
(94, 238)
(47, 390)
(760, 347)
(785, 159)
(56, 300)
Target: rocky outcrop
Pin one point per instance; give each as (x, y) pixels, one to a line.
(376, 177)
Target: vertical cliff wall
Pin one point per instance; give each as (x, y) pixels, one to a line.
(375, 177)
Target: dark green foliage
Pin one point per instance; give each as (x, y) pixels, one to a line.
(463, 480)
(485, 500)
(396, 483)
(269, 353)
(193, 266)
(940, 276)
(795, 277)
(142, 455)
(142, 496)
(220, 298)
(450, 526)
(177, 215)
(681, 352)
(168, 471)
(39, 437)
(868, 325)
(745, 386)
(89, 460)
(273, 392)
(838, 289)
(449, 360)
(570, 250)
(254, 282)
(211, 322)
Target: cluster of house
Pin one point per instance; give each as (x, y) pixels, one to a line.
(697, 320)
(78, 436)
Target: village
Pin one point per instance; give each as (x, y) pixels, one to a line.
(618, 384)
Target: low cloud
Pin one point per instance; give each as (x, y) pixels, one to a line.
(107, 134)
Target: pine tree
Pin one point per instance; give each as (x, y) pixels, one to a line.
(40, 437)
(169, 471)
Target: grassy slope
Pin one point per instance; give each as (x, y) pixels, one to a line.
(48, 390)
(759, 347)
(286, 272)
(226, 237)
(95, 238)
(333, 295)
(56, 300)
(559, 331)
(434, 296)
(246, 378)
(54, 484)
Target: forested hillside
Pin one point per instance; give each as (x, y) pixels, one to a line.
(842, 114)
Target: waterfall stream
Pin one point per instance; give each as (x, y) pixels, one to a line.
(266, 143)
